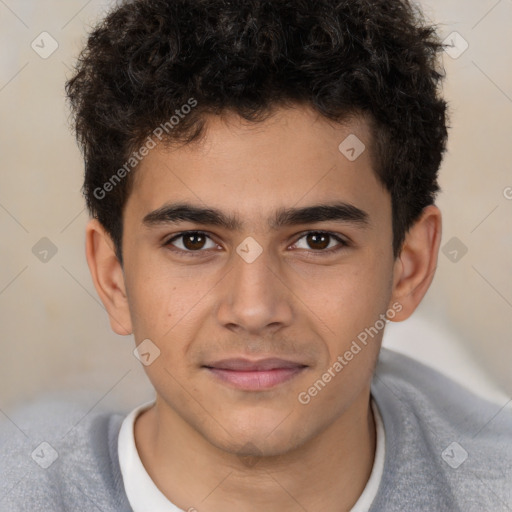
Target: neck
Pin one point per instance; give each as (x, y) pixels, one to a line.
(327, 473)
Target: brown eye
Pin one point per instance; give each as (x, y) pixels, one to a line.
(321, 242)
(194, 241)
(318, 240)
(190, 241)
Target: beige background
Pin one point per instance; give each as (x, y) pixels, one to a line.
(55, 334)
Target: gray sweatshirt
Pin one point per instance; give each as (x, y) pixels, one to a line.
(446, 450)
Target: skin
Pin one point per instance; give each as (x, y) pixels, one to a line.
(206, 444)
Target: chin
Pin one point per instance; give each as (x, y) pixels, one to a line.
(257, 447)
(261, 437)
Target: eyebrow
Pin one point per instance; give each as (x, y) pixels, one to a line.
(183, 212)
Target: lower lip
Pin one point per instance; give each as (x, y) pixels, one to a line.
(256, 380)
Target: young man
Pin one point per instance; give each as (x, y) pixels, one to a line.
(261, 177)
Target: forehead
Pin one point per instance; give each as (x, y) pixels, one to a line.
(291, 159)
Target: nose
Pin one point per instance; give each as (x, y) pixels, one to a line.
(254, 295)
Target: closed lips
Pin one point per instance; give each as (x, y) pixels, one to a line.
(245, 365)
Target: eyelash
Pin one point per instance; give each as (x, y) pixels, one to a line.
(343, 243)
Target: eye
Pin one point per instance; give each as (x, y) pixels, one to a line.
(191, 242)
(320, 241)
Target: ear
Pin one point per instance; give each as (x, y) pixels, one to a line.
(414, 268)
(108, 277)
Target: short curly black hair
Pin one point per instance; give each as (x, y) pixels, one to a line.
(150, 60)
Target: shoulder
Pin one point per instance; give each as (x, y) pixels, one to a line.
(446, 447)
(57, 452)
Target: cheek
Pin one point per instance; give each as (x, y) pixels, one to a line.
(161, 305)
(351, 301)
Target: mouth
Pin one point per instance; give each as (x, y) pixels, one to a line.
(257, 375)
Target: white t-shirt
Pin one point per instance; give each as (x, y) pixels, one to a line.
(144, 495)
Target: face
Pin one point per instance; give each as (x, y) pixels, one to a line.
(249, 313)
